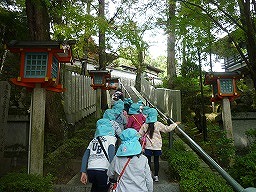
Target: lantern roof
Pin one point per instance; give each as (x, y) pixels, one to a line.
(38, 44)
(211, 77)
(103, 72)
(113, 79)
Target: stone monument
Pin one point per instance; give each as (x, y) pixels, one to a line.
(4, 107)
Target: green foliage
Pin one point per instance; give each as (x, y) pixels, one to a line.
(185, 166)
(13, 25)
(219, 147)
(181, 161)
(22, 182)
(244, 168)
(57, 162)
(247, 99)
(189, 69)
(200, 180)
(190, 95)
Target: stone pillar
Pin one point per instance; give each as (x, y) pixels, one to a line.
(98, 103)
(4, 107)
(226, 118)
(68, 95)
(36, 133)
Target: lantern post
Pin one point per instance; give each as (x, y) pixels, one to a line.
(98, 78)
(39, 71)
(224, 90)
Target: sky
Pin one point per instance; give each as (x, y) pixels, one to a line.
(158, 48)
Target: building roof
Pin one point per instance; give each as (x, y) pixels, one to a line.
(149, 67)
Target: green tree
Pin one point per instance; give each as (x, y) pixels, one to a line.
(133, 47)
(230, 16)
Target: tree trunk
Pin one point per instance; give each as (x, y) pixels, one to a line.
(39, 27)
(140, 69)
(250, 29)
(86, 45)
(171, 68)
(38, 20)
(102, 54)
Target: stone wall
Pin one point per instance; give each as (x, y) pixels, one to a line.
(242, 122)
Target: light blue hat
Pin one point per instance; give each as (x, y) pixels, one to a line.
(118, 106)
(130, 144)
(152, 115)
(109, 114)
(128, 101)
(134, 109)
(145, 110)
(140, 102)
(104, 128)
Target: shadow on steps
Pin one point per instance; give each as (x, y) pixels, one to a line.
(164, 185)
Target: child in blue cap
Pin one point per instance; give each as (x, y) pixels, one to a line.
(110, 115)
(136, 175)
(118, 108)
(136, 119)
(98, 156)
(151, 129)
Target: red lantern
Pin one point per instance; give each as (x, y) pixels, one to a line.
(40, 63)
(99, 78)
(224, 84)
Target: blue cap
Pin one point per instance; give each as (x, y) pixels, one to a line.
(109, 114)
(134, 109)
(152, 115)
(128, 101)
(145, 110)
(140, 102)
(130, 144)
(118, 106)
(104, 128)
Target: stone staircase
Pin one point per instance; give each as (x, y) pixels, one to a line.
(164, 184)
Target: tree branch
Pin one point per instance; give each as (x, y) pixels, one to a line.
(221, 27)
(228, 15)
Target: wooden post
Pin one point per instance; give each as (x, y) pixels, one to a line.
(36, 133)
(226, 117)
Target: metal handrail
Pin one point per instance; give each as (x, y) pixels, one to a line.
(236, 186)
(125, 90)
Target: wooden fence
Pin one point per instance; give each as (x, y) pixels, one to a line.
(167, 100)
(79, 97)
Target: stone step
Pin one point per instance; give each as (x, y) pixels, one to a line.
(71, 188)
(164, 184)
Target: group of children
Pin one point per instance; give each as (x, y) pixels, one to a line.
(115, 155)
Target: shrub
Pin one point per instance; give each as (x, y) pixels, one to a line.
(183, 160)
(23, 182)
(60, 158)
(185, 166)
(58, 161)
(244, 170)
(202, 180)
